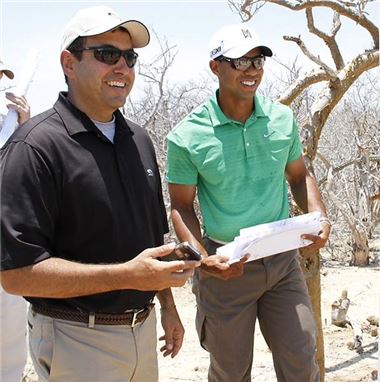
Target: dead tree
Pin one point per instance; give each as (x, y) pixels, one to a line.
(348, 150)
(336, 81)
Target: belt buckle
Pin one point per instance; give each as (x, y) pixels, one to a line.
(134, 317)
(91, 320)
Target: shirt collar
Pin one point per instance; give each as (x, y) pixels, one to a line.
(75, 121)
(218, 118)
(259, 109)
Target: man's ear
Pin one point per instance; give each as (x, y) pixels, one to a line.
(67, 62)
(214, 66)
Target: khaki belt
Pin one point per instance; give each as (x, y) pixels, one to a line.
(130, 318)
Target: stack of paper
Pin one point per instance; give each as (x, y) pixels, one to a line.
(272, 238)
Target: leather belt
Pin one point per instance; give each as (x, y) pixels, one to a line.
(130, 317)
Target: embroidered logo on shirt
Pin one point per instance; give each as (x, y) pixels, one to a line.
(268, 135)
(149, 172)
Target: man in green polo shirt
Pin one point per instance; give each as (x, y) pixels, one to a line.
(237, 151)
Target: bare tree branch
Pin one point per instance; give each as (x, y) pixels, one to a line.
(335, 90)
(346, 212)
(158, 75)
(349, 10)
(329, 40)
(331, 72)
(333, 170)
(302, 83)
(246, 9)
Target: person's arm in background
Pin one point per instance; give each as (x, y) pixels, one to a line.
(306, 194)
(185, 220)
(187, 228)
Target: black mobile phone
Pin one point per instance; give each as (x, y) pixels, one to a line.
(185, 251)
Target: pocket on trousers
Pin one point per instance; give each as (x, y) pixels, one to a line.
(41, 343)
(200, 325)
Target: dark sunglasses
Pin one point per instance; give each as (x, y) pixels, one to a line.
(111, 55)
(244, 63)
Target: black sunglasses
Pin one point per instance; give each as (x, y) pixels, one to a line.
(111, 55)
(244, 63)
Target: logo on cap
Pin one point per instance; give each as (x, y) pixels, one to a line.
(215, 51)
(246, 33)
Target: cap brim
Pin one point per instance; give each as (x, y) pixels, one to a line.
(266, 51)
(8, 73)
(242, 50)
(138, 31)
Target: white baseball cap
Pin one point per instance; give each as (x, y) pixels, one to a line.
(100, 19)
(234, 41)
(6, 71)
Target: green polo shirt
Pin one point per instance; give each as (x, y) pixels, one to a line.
(239, 169)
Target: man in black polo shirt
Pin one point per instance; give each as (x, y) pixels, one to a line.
(83, 218)
(12, 308)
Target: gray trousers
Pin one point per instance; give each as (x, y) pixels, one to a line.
(274, 291)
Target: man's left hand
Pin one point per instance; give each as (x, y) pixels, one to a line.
(174, 331)
(218, 266)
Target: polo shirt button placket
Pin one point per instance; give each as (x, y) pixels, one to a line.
(246, 143)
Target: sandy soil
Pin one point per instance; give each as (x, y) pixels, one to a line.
(342, 364)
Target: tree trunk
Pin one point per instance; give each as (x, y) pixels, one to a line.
(360, 248)
(310, 263)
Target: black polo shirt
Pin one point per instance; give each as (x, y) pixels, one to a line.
(68, 192)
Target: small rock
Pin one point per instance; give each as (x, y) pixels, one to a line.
(373, 320)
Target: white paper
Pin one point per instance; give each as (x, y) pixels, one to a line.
(272, 238)
(10, 121)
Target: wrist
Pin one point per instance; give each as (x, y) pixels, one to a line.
(325, 220)
(168, 307)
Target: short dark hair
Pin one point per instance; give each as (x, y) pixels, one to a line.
(78, 43)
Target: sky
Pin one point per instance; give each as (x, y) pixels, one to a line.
(187, 25)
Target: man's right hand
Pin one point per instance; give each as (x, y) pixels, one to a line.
(217, 266)
(146, 272)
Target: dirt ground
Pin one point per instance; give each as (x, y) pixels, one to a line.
(342, 364)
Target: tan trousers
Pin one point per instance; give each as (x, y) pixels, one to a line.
(66, 351)
(272, 290)
(12, 337)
